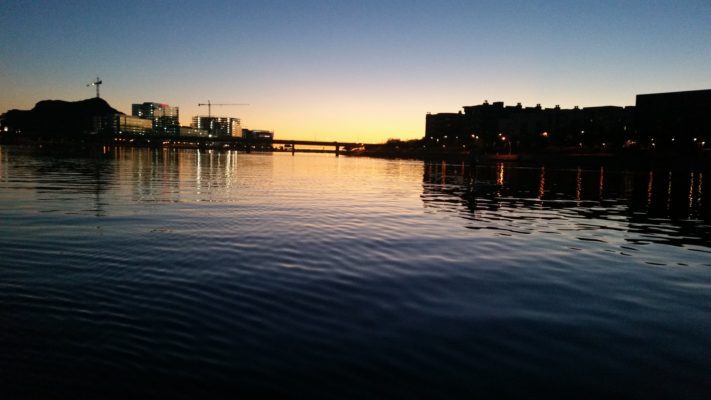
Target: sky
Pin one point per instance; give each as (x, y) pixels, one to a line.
(362, 70)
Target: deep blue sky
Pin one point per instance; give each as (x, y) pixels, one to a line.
(364, 70)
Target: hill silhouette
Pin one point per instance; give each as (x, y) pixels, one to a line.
(58, 117)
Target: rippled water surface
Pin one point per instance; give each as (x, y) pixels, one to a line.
(183, 272)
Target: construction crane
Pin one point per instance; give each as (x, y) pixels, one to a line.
(96, 83)
(209, 106)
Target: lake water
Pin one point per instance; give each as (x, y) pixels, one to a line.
(185, 272)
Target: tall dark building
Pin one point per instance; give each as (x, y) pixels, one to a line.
(679, 120)
(165, 118)
(446, 128)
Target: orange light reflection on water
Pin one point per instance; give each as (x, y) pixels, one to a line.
(579, 185)
(701, 188)
(691, 190)
(602, 181)
(650, 186)
(669, 191)
(500, 174)
(542, 183)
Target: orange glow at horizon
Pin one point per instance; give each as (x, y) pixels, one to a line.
(347, 122)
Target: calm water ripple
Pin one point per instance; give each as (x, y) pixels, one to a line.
(183, 272)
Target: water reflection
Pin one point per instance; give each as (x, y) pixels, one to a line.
(135, 174)
(273, 270)
(172, 175)
(658, 196)
(52, 180)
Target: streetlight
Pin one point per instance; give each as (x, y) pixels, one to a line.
(505, 140)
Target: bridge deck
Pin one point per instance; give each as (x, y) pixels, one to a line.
(316, 143)
(242, 140)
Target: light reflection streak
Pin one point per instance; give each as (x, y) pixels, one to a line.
(602, 181)
(650, 186)
(669, 191)
(701, 189)
(228, 169)
(691, 190)
(542, 183)
(500, 174)
(579, 185)
(140, 162)
(198, 171)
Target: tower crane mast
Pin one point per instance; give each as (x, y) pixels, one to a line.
(96, 83)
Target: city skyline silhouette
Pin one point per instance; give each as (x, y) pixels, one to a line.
(361, 72)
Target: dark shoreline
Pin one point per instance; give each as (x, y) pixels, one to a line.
(631, 158)
(623, 158)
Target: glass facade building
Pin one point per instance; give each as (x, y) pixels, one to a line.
(187, 131)
(121, 124)
(218, 126)
(165, 119)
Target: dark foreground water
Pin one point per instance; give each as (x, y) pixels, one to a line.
(180, 273)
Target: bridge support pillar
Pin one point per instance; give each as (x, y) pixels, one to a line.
(293, 148)
(337, 149)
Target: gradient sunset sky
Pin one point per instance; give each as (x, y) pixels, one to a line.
(350, 70)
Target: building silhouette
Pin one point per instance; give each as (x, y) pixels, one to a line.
(675, 120)
(499, 128)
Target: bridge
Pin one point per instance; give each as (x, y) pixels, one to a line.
(240, 143)
(347, 146)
